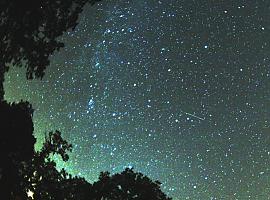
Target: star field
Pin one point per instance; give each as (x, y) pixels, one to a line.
(179, 90)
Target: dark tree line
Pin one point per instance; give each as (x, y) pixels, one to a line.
(28, 32)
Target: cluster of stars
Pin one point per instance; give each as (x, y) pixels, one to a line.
(179, 90)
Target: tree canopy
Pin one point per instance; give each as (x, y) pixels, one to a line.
(127, 185)
(41, 177)
(29, 32)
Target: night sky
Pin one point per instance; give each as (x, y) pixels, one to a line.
(177, 89)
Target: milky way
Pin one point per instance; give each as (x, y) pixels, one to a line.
(179, 90)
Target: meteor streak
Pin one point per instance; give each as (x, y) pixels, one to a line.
(193, 115)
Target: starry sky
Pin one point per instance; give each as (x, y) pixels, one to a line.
(177, 89)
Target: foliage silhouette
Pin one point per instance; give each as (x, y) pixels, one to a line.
(45, 181)
(29, 32)
(48, 183)
(40, 176)
(127, 185)
(24, 170)
(16, 145)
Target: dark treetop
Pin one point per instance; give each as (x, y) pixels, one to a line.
(29, 32)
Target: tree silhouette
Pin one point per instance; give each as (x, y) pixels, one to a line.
(127, 185)
(29, 32)
(43, 179)
(16, 145)
(47, 183)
